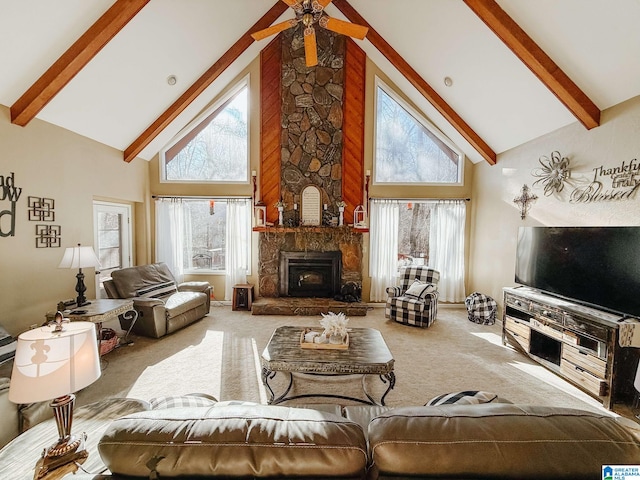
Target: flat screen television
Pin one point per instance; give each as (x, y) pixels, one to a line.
(595, 266)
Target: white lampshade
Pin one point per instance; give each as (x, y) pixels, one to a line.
(50, 364)
(79, 257)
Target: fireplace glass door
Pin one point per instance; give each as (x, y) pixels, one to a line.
(310, 274)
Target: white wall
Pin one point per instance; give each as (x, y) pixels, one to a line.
(48, 161)
(496, 217)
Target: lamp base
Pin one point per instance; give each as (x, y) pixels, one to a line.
(66, 451)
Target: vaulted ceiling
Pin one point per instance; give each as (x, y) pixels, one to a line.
(518, 69)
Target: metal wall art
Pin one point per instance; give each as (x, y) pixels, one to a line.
(524, 201)
(553, 173)
(610, 184)
(48, 236)
(8, 191)
(41, 209)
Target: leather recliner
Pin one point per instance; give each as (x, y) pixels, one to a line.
(163, 306)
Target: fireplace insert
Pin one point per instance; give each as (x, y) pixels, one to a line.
(310, 274)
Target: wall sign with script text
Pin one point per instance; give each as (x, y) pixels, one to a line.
(610, 184)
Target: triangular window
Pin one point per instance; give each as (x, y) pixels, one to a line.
(408, 148)
(214, 148)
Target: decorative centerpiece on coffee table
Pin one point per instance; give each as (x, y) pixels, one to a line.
(334, 336)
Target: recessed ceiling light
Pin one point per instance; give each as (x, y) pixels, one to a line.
(447, 81)
(172, 79)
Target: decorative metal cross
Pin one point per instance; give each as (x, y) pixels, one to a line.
(524, 201)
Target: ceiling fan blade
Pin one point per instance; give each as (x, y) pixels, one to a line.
(295, 4)
(310, 47)
(344, 28)
(319, 5)
(273, 29)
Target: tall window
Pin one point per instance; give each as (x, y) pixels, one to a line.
(420, 232)
(215, 147)
(207, 220)
(198, 233)
(408, 148)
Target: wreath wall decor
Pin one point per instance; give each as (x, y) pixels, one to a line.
(553, 173)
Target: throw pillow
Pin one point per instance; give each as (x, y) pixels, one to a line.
(7, 346)
(178, 401)
(419, 290)
(469, 397)
(158, 290)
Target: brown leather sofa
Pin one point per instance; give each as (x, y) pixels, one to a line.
(499, 441)
(163, 306)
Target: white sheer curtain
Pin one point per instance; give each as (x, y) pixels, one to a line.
(238, 243)
(173, 234)
(383, 248)
(446, 248)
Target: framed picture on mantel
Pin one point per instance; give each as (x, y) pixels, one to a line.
(311, 211)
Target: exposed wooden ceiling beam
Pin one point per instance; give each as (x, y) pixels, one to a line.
(537, 61)
(419, 83)
(73, 60)
(231, 55)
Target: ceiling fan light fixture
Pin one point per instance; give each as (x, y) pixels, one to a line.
(307, 19)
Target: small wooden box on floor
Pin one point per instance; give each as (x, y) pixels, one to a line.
(242, 296)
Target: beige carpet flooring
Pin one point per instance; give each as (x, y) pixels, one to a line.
(220, 355)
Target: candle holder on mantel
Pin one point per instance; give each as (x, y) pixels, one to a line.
(280, 206)
(341, 206)
(367, 178)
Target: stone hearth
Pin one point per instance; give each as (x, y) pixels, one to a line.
(306, 306)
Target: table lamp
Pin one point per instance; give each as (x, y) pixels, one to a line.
(80, 257)
(51, 363)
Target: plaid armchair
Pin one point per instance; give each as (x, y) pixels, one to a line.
(413, 309)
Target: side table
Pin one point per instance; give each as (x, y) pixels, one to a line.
(102, 310)
(242, 296)
(19, 457)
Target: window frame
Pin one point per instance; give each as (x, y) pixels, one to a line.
(220, 103)
(422, 120)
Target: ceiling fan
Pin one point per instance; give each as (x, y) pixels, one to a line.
(310, 12)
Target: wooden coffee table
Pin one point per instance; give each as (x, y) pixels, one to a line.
(367, 354)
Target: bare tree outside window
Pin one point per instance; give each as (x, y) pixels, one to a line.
(109, 240)
(407, 151)
(216, 149)
(413, 233)
(207, 249)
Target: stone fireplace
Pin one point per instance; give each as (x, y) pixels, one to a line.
(317, 261)
(310, 274)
